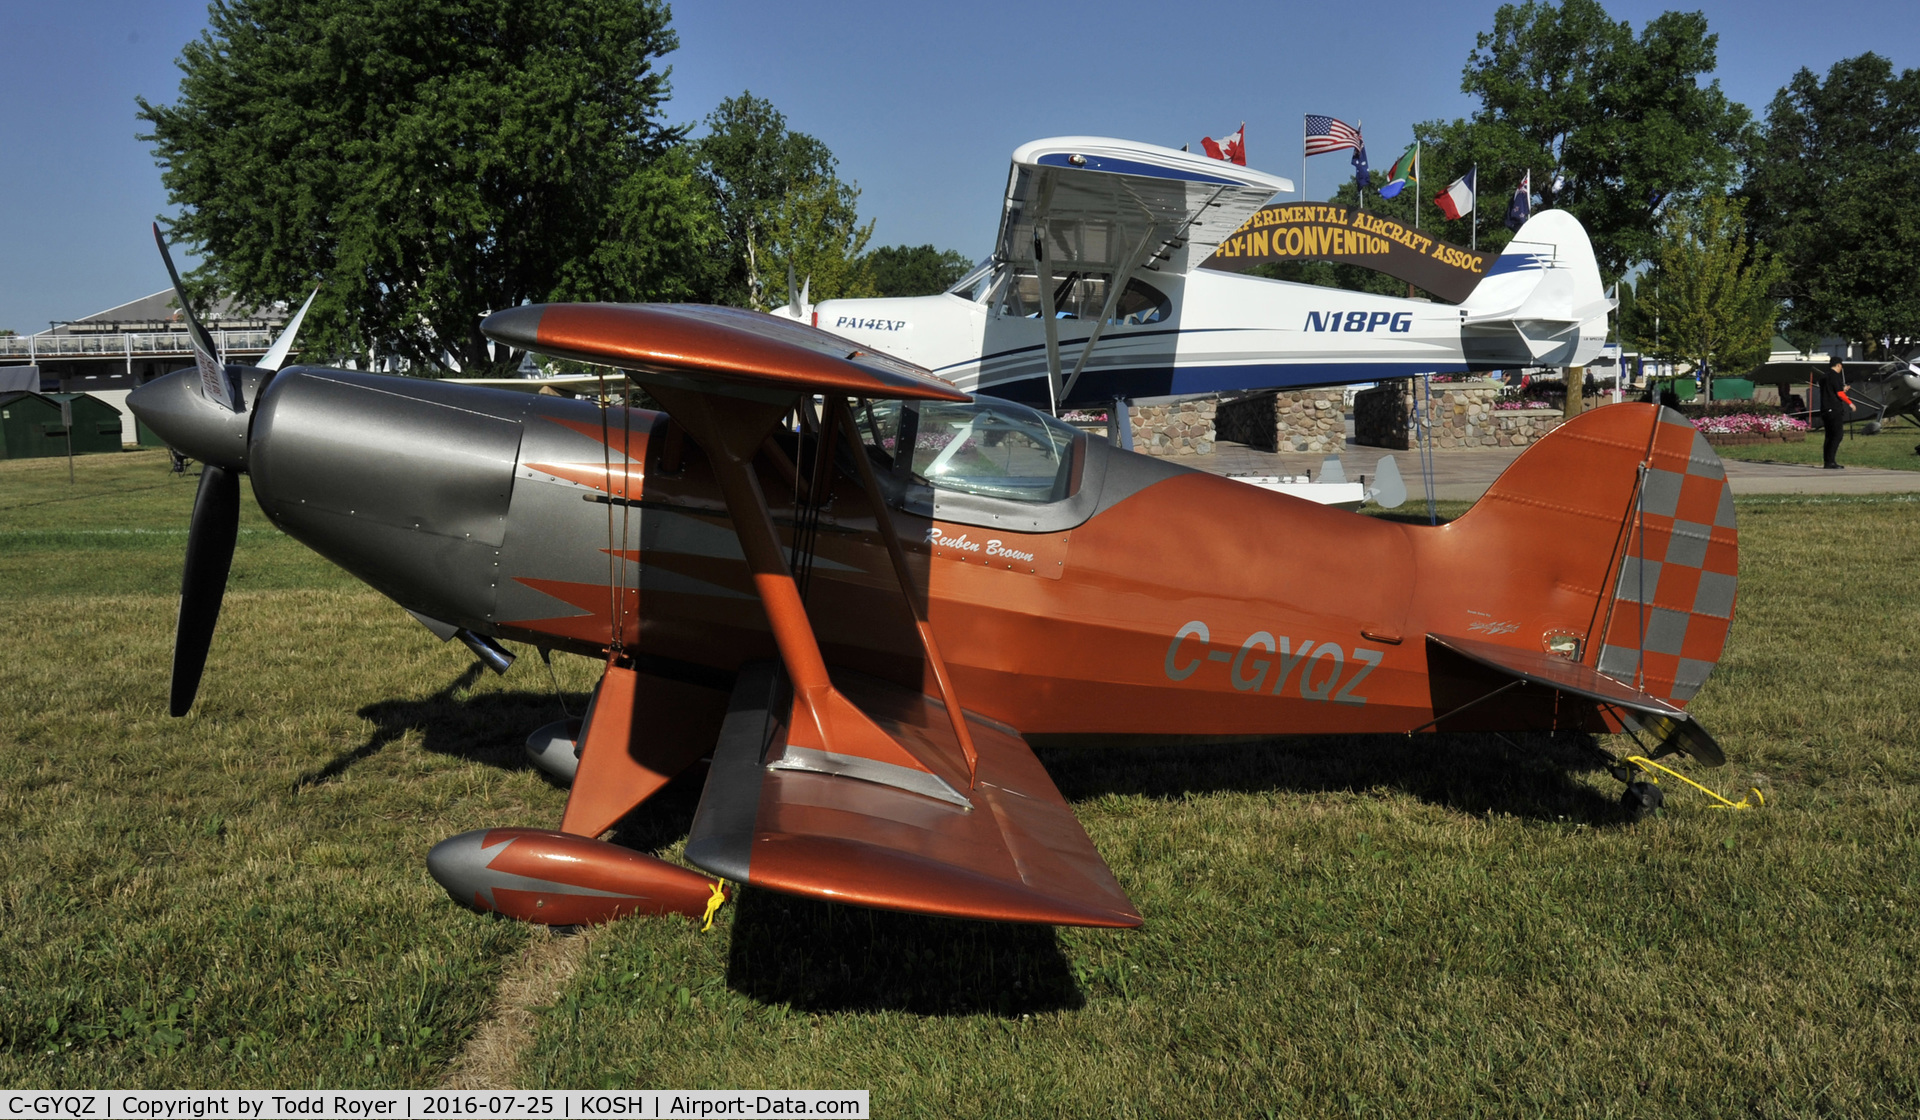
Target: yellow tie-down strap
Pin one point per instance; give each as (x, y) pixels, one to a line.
(1755, 800)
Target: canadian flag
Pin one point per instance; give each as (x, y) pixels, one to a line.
(1233, 149)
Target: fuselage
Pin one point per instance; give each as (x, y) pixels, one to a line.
(1133, 596)
(1201, 332)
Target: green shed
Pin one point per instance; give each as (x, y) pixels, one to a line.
(96, 424)
(30, 426)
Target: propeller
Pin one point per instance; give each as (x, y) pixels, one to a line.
(276, 355)
(203, 581)
(204, 415)
(798, 308)
(1389, 490)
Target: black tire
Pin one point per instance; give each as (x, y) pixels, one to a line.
(1640, 799)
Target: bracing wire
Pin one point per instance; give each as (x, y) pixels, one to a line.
(606, 454)
(626, 509)
(806, 511)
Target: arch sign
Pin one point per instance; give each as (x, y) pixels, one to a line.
(1317, 231)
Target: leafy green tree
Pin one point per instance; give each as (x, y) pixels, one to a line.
(1622, 122)
(751, 161)
(815, 232)
(914, 270)
(425, 163)
(1834, 179)
(1711, 290)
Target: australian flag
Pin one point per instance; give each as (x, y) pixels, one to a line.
(1522, 205)
(1360, 176)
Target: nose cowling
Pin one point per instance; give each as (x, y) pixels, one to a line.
(179, 413)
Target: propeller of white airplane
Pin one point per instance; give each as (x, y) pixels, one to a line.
(799, 305)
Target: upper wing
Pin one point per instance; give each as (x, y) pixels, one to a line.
(705, 348)
(1098, 200)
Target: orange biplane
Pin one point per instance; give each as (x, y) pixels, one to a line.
(861, 593)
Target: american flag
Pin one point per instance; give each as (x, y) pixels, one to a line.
(1324, 134)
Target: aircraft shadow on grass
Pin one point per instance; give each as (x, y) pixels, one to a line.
(819, 956)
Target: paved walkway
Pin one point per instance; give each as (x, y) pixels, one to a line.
(1465, 475)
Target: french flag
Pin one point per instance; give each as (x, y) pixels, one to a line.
(1457, 200)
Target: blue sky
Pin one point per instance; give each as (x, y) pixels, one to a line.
(922, 103)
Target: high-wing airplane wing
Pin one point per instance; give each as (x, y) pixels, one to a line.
(828, 785)
(1103, 204)
(1080, 205)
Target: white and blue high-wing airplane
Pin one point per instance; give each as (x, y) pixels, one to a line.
(1094, 291)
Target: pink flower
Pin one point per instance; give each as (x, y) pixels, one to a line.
(1748, 424)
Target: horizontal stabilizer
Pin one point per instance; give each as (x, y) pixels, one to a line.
(1017, 854)
(1673, 729)
(1557, 673)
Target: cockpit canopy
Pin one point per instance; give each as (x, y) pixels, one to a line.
(985, 447)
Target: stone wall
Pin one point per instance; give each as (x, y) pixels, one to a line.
(1308, 420)
(1382, 416)
(1178, 428)
(1463, 417)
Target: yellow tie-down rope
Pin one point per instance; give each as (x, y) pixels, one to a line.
(714, 903)
(1648, 766)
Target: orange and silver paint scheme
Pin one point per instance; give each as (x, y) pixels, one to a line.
(863, 594)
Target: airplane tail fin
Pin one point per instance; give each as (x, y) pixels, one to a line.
(1541, 303)
(1611, 542)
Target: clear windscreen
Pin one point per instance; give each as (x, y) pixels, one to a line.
(993, 448)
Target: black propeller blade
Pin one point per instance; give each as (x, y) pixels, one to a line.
(203, 583)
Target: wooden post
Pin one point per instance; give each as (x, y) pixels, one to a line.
(1576, 384)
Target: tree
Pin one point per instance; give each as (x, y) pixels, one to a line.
(427, 163)
(1620, 122)
(814, 237)
(751, 161)
(914, 270)
(1834, 179)
(1711, 291)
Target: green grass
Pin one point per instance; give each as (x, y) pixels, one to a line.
(1369, 926)
(1893, 449)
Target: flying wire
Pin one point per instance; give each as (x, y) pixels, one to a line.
(606, 461)
(626, 507)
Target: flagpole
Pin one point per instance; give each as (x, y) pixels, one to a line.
(1303, 157)
(1417, 188)
(1473, 227)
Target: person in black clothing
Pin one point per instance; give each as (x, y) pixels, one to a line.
(1833, 409)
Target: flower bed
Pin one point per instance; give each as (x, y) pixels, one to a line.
(1743, 428)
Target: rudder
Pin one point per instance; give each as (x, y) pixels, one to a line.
(1624, 514)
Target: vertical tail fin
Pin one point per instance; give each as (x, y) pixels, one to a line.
(1612, 539)
(1541, 303)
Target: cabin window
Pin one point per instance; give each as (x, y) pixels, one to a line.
(1078, 295)
(992, 448)
(976, 284)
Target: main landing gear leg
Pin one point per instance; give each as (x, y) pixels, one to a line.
(1641, 797)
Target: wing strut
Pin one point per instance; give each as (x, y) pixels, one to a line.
(899, 558)
(1115, 288)
(1049, 321)
(1043, 264)
(827, 732)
